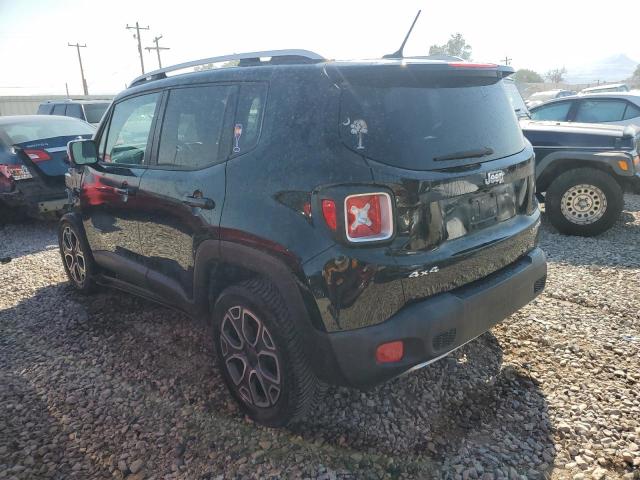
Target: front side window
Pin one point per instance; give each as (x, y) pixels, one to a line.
(599, 111)
(128, 133)
(555, 112)
(193, 125)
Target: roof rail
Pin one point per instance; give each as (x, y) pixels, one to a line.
(302, 55)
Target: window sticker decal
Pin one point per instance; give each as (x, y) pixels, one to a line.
(359, 128)
(237, 133)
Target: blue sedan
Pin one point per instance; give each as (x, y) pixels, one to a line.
(33, 151)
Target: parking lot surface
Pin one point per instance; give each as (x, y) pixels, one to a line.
(112, 386)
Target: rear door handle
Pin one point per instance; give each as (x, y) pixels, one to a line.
(199, 202)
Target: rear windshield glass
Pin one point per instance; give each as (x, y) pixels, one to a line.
(516, 99)
(95, 111)
(421, 128)
(30, 130)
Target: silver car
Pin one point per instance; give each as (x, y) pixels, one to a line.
(622, 108)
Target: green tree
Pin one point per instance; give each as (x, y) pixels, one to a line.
(524, 75)
(634, 81)
(456, 46)
(556, 75)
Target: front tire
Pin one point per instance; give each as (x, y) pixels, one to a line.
(261, 355)
(584, 202)
(76, 256)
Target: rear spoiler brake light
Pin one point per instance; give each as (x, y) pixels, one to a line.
(503, 70)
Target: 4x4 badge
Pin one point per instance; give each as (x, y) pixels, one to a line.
(422, 273)
(496, 176)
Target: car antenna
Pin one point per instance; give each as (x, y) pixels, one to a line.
(399, 53)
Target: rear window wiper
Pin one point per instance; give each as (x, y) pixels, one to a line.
(479, 152)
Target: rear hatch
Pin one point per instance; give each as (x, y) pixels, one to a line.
(445, 139)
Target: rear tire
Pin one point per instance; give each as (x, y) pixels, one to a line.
(584, 202)
(76, 256)
(261, 355)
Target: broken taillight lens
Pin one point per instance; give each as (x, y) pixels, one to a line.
(369, 217)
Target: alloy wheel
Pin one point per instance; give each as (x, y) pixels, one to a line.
(250, 357)
(583, 204)
(73, 255)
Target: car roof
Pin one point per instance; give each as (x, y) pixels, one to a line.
(71, 100)
(554, 90)
(8, 120)
(603, 87)
(253, 71)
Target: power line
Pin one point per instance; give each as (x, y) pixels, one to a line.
(157, 48)
(137, 36)
(84, 81)
(507, 60)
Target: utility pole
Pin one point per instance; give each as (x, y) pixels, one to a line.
(137, 36)
(507, 60)
(157, 48)
(84, 81)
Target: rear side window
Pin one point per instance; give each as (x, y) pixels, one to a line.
(128, 133)
(95, 111)
(45, 109)
(599, 111)
(248, 121)
(632, 111)
(59, 109)
(74, 110)
(555, 112)
(421, 128)
(193, 126)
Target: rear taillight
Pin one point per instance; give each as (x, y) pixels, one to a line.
(37, 155)
(329, 214)
(369, 217)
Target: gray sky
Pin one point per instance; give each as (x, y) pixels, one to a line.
(34, 57)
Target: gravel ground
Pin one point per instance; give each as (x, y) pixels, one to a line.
(111, 386)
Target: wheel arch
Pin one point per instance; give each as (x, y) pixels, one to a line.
(221, 264)
(557, 163)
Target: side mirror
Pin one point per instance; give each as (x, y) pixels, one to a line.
(82, 152)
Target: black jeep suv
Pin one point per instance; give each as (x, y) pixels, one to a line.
(335, 222)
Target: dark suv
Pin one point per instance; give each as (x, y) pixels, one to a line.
(91, 111)
(335, 222)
